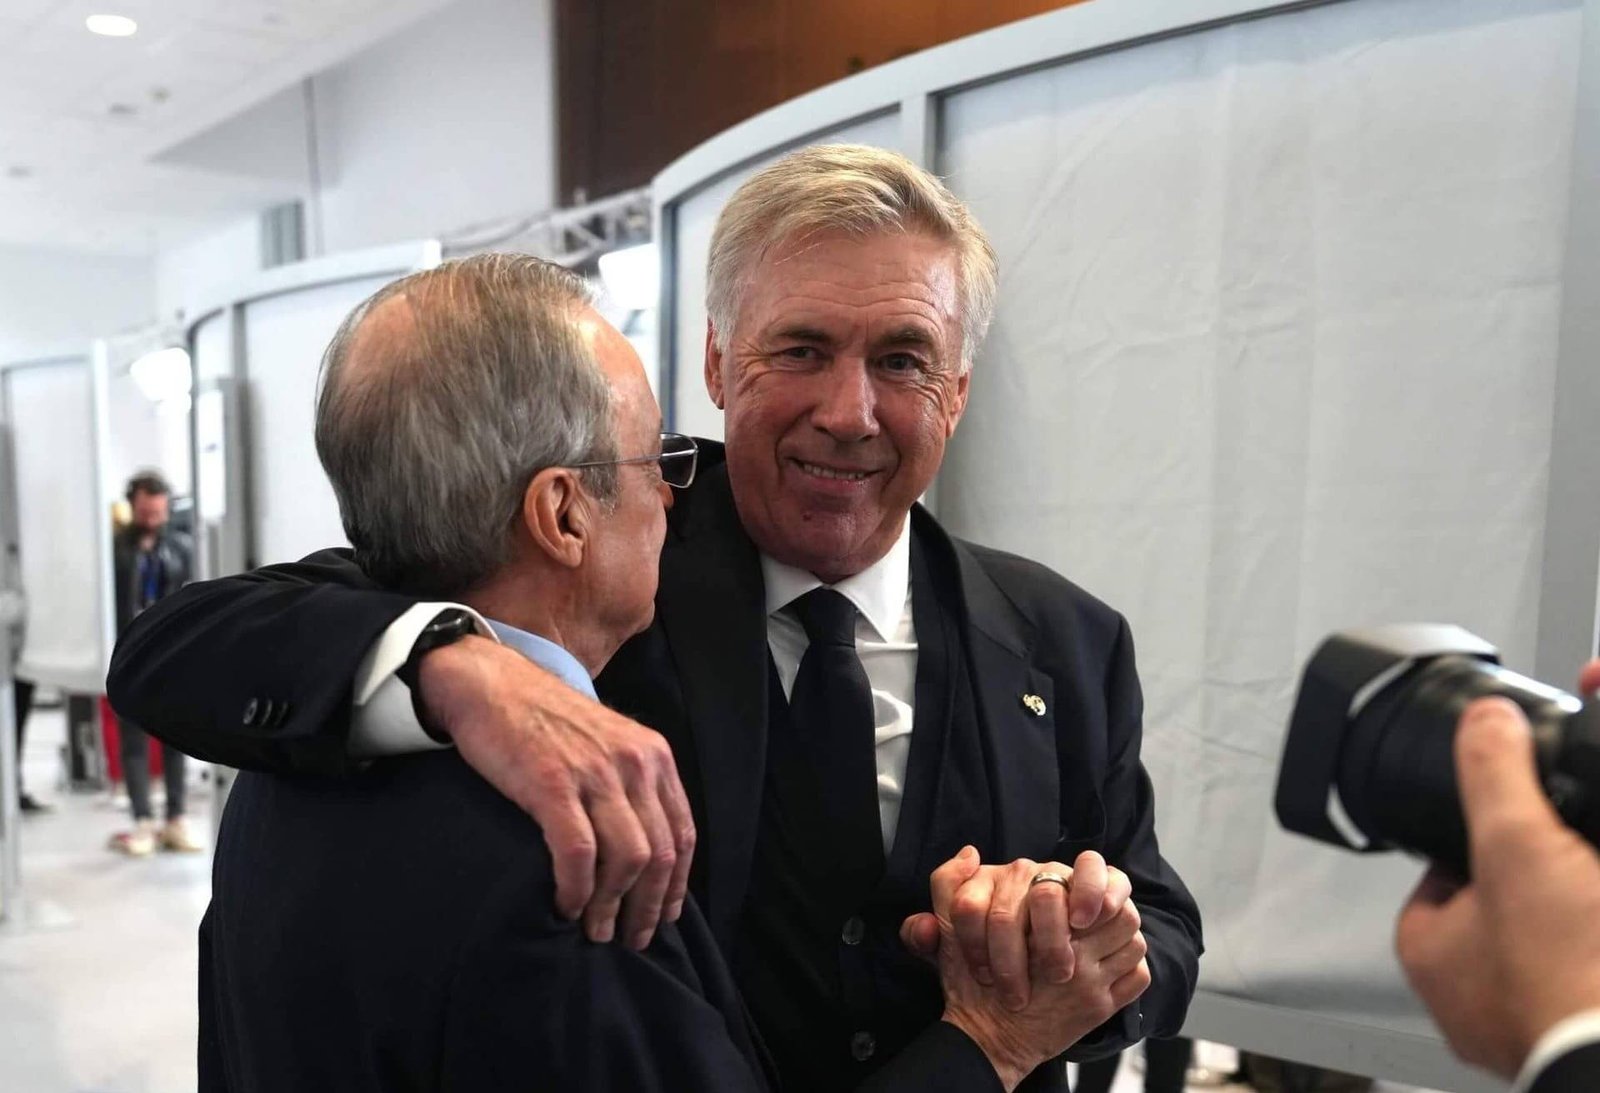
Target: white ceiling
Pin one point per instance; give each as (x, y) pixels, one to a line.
(83, 117)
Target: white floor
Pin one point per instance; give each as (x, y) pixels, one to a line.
(97, 980)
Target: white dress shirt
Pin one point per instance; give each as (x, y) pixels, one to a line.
(382, 720)
(886, 641)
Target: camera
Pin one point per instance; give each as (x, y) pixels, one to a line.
(1369, 765)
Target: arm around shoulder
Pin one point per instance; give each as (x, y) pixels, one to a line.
(255, 670)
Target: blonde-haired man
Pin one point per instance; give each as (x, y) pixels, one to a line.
(859, 704)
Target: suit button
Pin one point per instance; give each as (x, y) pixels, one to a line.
(251, 709)
(281, 715)
(862, 1045)
(265, 717)
(854, 930)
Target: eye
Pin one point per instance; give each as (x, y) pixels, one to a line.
(900, 363)
(800, 353)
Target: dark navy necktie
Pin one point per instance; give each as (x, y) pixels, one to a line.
(831, 758)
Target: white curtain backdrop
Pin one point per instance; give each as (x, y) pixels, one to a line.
(1274, 356)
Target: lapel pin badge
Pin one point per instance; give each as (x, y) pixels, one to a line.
(1034, 705)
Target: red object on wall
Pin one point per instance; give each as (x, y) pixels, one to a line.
(112, 731)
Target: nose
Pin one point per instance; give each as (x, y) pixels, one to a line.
(666, 495)
(847, 405)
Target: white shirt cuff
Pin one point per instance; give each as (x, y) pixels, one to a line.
(1564, 1036)
(382, 720)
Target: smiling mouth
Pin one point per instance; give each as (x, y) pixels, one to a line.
(817, 470)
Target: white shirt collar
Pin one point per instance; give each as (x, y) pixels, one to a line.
(879, 591)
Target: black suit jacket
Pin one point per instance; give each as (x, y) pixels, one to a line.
(396, 930)
(1578, 1071)
(1067, 781)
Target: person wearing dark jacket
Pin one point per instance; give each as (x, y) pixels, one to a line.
(150, 562)
(850, 694)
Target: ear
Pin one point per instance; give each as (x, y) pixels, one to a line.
(713, 366)
(958, 403)
(558, 515)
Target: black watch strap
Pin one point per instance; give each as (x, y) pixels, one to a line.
(450, 625)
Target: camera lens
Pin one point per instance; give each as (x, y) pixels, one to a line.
(1397, 774)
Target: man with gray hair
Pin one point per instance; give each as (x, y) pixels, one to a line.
(856, 700)
(491, 439)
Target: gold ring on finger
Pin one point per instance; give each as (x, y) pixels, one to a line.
(1045, 876)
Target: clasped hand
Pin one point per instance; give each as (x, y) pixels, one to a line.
(1030, 969)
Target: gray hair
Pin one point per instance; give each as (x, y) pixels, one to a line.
(431, 425)
(853, 188)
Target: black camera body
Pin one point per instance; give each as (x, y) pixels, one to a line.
(1369, 761)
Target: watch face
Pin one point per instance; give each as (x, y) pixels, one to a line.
(456, 624)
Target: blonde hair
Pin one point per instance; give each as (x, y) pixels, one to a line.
(853, 188)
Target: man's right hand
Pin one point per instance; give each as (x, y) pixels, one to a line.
(1503, 959)
(1109, 973)
(604, 788)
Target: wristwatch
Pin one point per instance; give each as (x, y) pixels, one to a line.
(450, 625)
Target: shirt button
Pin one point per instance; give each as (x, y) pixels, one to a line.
(862, 1045)
(854, 930)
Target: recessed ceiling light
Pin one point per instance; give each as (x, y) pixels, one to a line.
(112, 26)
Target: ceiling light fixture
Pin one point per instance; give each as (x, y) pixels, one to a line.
(112, 26)
(163, 375)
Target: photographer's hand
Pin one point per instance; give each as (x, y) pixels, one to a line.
(1503, 959)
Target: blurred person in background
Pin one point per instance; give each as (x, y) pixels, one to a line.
(151, 562)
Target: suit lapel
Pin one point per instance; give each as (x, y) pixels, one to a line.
(1016, 707)
(712, 609)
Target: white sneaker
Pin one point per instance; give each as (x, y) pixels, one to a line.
(175, 836)
(138, 843)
